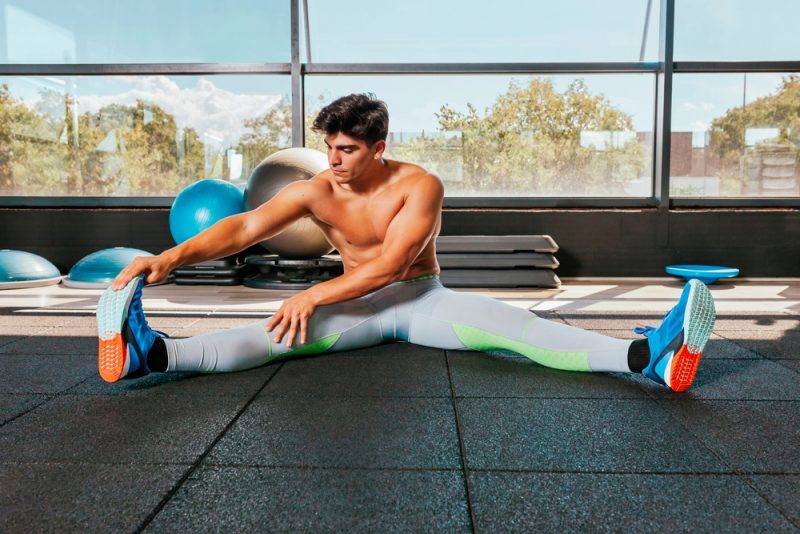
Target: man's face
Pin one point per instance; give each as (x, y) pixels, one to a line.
(349, 158)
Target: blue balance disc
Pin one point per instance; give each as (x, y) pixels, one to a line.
(20, 269)
(708, 274)
(98, 269)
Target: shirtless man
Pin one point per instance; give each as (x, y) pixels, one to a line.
(383, 217)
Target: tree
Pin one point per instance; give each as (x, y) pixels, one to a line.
(267, 134)
(529, 142)
(780, 110)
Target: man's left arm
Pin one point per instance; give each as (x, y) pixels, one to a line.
(406, 236)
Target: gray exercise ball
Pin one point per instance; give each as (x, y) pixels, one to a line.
(303, 239)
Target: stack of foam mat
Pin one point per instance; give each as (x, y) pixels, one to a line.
(222, 272)
(497, 261)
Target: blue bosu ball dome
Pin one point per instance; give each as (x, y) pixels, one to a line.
(20, 269)
(98, 269)
(202, 204)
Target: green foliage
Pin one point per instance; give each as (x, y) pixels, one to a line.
(529, 141)
(780, 110)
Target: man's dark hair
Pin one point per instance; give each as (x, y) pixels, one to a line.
(358, 115)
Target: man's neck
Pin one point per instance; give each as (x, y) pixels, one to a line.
(373, 178)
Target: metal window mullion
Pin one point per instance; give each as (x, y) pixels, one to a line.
(104, 69)
(663, 120)
(480, 68)
(735, 66)
(298, 112)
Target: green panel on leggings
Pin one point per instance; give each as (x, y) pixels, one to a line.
(478, 339)
(316, 347)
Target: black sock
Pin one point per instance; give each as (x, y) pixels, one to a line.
(638, 355)
(157, 357)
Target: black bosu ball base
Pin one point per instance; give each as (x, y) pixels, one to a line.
(280, 273)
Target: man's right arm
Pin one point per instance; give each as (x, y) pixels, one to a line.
(228, 236)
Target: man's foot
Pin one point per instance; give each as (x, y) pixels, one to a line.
(124, 335)
(677, 344)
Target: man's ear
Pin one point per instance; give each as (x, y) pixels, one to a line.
(379, 147)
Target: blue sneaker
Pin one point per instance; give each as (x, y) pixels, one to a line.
(677, 344)
(124, 335)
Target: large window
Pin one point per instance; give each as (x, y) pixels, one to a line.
(513, 103)
(501, 136)
(736, 135)
(144, 31)
(425, 31)
(136, 135)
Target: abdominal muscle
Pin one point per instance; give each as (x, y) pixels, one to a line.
(355, 255)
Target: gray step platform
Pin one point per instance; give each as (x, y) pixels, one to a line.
(496, 261)
(499, 278)
(496, 243)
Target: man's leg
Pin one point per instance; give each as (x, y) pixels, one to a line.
(462, 321)
(129, 347)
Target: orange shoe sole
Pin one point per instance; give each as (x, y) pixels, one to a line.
(111, 357)
(683, 368)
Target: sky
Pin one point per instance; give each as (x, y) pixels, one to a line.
(248, 31)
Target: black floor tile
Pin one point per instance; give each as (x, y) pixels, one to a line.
(343, 432)
(239, 384)
(484, 375)
(53, 344)
(750, 436)
(13, 405)
(736, 380)
(782, 491)
(630, 436)
(547, 502)
(117, 429)
(259, 499)
(769, 344)
(396, 369)
(789, 364)
(35, 373)
(81, 497)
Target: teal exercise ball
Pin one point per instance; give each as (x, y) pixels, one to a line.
(201, 205)
(98, 269)
(19, 269)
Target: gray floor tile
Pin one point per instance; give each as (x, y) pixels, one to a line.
(758, 322)
(485, 375)
(736, 380)
(117, 429)
(610, 321)
(316, 500)
(343, 432)
(81, 497)
(630, 436)
(545, 502)
(768, 343)
(782, 491)
(26, 373)
(392, 370)
(13, 405)
(752, 437)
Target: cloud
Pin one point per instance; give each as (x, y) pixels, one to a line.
(213, 112)
(699, 126)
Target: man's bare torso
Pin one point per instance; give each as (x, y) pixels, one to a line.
(356, 222)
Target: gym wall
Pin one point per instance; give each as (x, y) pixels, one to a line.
(636, 242)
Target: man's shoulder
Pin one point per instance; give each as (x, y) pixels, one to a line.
(417, 175)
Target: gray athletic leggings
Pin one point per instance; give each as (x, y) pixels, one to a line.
(419, 311)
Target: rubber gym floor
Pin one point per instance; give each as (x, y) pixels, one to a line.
(400, 437)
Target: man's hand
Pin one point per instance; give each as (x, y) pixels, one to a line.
(156, 269)
(293, 314)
